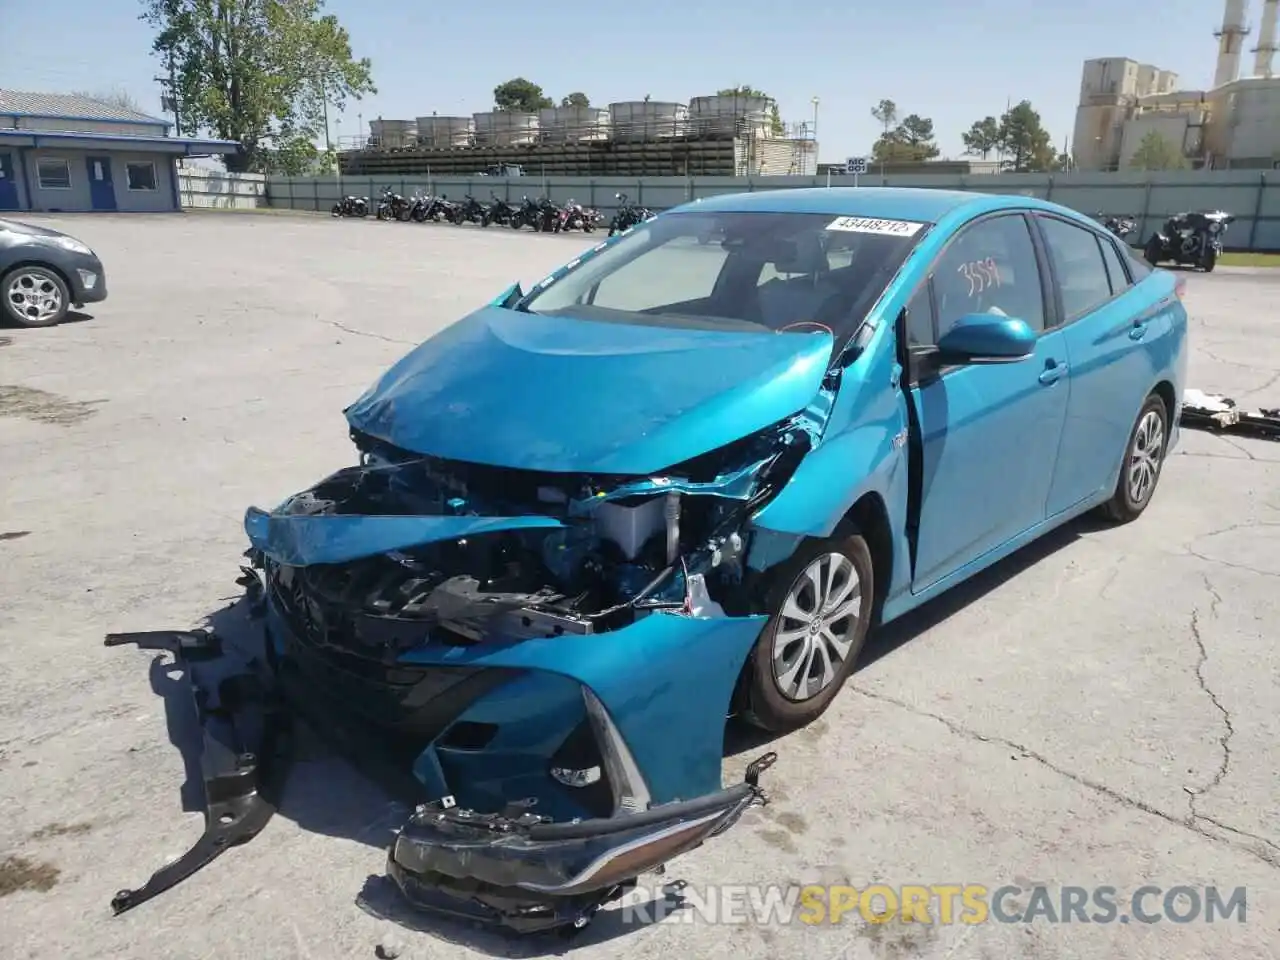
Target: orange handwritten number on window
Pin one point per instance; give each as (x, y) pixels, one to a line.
(981, 274)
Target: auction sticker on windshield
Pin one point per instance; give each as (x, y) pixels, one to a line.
(888, 228)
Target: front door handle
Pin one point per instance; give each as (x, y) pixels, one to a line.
(1053, 372)
(1139, 330)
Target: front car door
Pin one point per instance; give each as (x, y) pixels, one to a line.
(988, 432)
(1107, 327)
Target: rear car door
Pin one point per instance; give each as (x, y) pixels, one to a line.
(988, 433)
(1107, 325)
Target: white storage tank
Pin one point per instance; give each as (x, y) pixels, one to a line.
(393, 134)
(635, 121)
(730, 116)
(506, 128)
(434, 131)
(573, 124)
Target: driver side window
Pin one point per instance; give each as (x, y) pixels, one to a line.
(990, 267)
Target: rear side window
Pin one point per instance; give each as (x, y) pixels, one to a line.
(1077, 262)
(1115, 269)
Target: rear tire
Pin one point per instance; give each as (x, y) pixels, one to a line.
(795, 595)
(1142, 465)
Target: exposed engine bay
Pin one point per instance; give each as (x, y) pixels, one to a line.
(566, 553)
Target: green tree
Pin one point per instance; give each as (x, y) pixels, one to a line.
(575, 99)
(982, 138)
(520, 96)
(1024, 140)
(776, 127)
(262, 72)
(1157, 152)
(911, 141)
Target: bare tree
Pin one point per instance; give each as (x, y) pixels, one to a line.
(115, 98)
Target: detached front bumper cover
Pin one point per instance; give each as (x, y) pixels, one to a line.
(515, 869)
(526, 873)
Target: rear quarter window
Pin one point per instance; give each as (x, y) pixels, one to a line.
(1139, 269)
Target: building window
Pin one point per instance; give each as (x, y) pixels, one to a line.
(54, 174)
(142, 175)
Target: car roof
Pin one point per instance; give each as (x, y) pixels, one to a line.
(889, 203)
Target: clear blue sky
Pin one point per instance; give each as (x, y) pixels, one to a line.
(953, 62)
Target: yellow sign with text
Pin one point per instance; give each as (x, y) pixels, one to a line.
(911, 903)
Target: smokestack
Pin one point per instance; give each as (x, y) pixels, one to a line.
(1266, 47)
(1230, 42)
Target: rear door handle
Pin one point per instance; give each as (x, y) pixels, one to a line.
(1053, 372)
(1139, 330)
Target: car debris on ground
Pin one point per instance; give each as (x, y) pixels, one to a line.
(1215, 412)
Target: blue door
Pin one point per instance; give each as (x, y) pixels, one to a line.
(989, 432)
(1109, 330)
(102, 192)
(8, 186)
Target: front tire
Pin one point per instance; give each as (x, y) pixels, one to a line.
(1142, 465)
(1210, 261)
(336, 210)
(1153, 251)
(820, 603)
(34, 297)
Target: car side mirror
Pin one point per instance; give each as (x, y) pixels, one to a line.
(509, 297)
(987, 338)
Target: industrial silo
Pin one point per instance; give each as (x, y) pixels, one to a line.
(635, 121)
(573, 124)
(506, 128)
(730, 116)
(393, 134)
(440, 132)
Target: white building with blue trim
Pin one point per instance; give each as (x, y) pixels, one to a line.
(64, 153)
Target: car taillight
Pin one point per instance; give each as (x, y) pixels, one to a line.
(1180, 287)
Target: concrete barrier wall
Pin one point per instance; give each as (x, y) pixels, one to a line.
(199, 187)
(1253, 196)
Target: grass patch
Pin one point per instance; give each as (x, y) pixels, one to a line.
(1237, 259)
(1250, 260)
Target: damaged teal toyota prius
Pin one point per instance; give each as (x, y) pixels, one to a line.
(679, 480)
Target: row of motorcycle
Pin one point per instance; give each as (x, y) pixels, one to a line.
(541, 214)
(1193, 238)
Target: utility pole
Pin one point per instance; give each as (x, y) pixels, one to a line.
(169, 100)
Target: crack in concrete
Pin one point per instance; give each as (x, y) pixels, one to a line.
(1231, 363)
(1236, 446)
(1224, 765)
(1191, 552)
(1271, 382)
(365, 333)
(1192, 824)
(1248, 458)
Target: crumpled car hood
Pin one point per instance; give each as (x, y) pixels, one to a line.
(560, 394)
